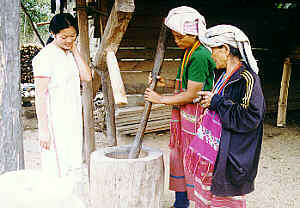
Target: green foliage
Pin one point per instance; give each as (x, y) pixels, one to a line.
(39, 11)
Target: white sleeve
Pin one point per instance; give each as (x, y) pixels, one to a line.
(42, 66)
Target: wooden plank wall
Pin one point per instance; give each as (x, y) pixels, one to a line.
(137, 50)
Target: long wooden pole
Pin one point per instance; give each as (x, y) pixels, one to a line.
(284, 90)
(87, 91)
(32, 24)
(11, 130)
(116, 27)
(159, 57)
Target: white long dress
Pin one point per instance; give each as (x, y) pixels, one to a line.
(64, 109)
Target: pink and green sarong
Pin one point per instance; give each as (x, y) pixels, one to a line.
(183, 129)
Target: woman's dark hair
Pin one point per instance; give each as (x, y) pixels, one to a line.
(61, 21)
(235, 51)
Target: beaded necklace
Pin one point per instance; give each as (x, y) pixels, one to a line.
(186, 57)
(223, 79)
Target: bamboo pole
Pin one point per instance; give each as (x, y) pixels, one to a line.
(283, 97)
(32, 24)
(116, 27)
(87, 92)
(159, 57)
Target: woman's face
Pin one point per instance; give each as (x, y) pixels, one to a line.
(220, 55)
(183, 41)
(65, 38)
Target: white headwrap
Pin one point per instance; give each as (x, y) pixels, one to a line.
(233, 36)
(183, 19)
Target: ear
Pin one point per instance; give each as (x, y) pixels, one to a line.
(227, 49)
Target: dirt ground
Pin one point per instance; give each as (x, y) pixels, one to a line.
(278, 180)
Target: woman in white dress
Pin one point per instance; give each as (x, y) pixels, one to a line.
(58, 69)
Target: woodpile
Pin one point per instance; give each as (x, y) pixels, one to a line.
(128, 119)
(27, 53)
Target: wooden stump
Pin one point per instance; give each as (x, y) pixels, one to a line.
(117, 182)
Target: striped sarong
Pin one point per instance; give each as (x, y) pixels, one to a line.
(204, 198)
(183, 129)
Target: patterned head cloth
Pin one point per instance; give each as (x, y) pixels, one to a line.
(186, 20)
(233, 36)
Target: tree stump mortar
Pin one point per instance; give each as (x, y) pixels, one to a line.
(118, 182)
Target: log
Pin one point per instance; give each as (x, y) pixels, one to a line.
(116, 79)
(159, 57)
(116, 26)
(11, 129)
(284, 90)
(87, 91)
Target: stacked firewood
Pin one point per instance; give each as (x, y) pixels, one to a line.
(28, 51)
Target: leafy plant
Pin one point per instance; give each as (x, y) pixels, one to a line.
(39, 11)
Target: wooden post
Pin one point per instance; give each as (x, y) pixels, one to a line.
(159, 57)
(32, 24)
(116, 27)
(87, 92)
(283, 98)
(109, 108)
(116, 79)
(11, 129)
(102, 6)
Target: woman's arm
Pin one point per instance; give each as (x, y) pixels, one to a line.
(84, 70)
(41, 97)
(179, 99)
(239, 117)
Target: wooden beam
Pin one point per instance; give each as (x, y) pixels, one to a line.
(283, 97)
(159, 57)
(32, 24)
(116, 27)
(116, 79)
(87, 91)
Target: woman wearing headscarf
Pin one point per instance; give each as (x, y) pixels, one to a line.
(195, 73)
(224, 155)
